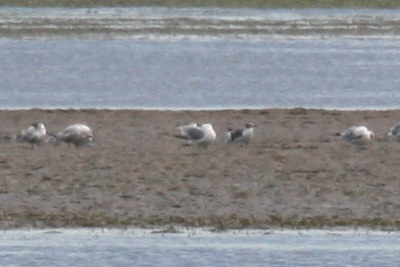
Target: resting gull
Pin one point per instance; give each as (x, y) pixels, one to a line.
(395, 131)
(198, 135)
(35, 134)
(183, 128)
(357, 134)
(241, 136)
(75, 134)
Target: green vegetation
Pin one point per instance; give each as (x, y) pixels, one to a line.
(209, 3)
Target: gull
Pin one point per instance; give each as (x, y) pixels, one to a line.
(357, 134)
(395, 131)
(241, 136)
(35, 134)
(197, 135)
(184, 128)
(75, 134)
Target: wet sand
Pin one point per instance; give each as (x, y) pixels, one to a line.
(120, 23)
(208, 3)
(295, 172)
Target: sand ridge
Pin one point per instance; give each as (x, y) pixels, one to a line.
(294, 173)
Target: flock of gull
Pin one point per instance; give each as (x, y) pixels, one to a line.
(195, 134)
(81, 134)
(204, 134)
(36, 134)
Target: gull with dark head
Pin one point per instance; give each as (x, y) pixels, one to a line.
(197, 135)
(357, 134)
(35, 134)
(75, 134)
(241, 136)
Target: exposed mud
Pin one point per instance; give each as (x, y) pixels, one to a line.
(294, 173)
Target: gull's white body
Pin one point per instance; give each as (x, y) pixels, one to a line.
(35, 134)
(76, 134)
(198, 135)
(357, 134)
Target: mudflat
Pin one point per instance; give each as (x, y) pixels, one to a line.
(294, 173)
(208, 3)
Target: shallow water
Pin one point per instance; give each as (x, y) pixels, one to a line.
(316, 66)
(196, 247)
(334, 73)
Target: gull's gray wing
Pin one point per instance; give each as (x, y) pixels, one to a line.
(194, 133)
(395, 130)
(236, 134)
(31, 135)
(349, 135)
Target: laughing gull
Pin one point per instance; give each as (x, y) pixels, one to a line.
(75, 134)
(395, 131)
(197, 135)
(241, 136)
(357, 134)
(35, 134)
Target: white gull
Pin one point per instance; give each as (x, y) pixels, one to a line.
(75, 134)
(357, 134)
(35, 134)
(198, 135)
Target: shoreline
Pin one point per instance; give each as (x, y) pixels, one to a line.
(218, 3)
(121, 24)
(295, 173)
(228, 109)
(202, 231)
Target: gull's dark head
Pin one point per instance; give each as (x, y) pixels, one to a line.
(250, 125)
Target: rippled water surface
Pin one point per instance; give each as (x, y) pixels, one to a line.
(95, 247)
(195, 74)
(198, 58)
